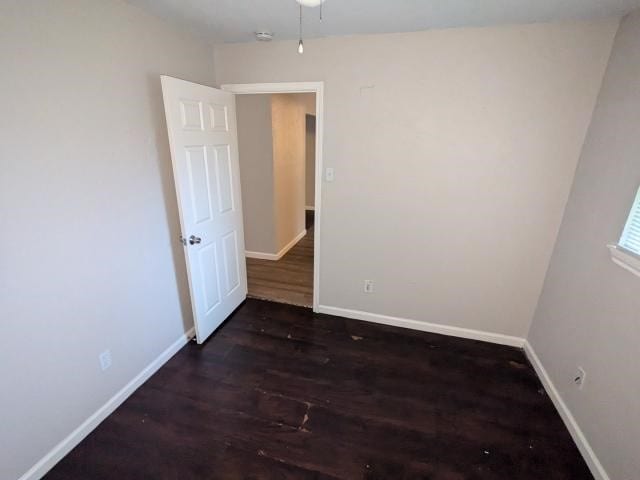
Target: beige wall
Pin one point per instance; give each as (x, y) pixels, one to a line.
(89, 251)
(310, 160)
(287, 114)
(308, 101)
(454, 152)
(255, 145)
(271, 137)
(589, 309)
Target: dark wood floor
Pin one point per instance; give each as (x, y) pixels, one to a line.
(280, 392)
(288, 280)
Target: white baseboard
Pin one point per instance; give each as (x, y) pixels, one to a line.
(262, 255)
(308, 207)
(281, 253)
(597, 470)
(74, 438)
(424, 326)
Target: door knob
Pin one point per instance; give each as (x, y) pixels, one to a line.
(193, 240)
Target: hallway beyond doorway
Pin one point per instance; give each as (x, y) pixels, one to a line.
(288, 280)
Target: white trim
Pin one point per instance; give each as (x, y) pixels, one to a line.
(301, 87)
(280, 254)
(597, 470)
(58, 452)
(627, 260)
(424, 326)
(309, 207)
(278, 87)
(261, 255)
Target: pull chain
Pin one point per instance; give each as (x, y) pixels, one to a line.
(300, 44)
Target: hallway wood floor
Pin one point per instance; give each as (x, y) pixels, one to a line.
(288, 280)
(282, 393)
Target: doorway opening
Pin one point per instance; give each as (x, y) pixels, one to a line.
(279, 146)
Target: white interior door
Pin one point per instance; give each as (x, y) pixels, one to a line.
(201, 122)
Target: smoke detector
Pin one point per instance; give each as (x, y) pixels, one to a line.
(264, 36)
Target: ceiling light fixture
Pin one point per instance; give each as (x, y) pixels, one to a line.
(311, 4)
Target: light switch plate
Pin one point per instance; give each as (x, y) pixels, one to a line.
(329, 174)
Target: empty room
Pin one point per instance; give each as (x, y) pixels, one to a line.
(307, 239)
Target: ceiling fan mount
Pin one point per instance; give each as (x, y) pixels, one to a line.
(310, 3)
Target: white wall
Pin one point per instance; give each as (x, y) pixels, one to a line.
(454, 152)
(589, 309)
(255, 146)
(89, 257)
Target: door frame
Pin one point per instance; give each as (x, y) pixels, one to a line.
(299, 87)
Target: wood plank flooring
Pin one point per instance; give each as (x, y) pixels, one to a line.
(288, 280)
(282, 393)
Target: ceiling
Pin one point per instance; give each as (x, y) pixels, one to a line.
(236, 20)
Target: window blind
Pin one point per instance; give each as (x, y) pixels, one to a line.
(630, 239)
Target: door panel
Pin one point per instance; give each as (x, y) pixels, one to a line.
(191, 115)
(199, 185)
(219, 118)
(208, 260)
(225, 178)
(201, 124)
(230, 247)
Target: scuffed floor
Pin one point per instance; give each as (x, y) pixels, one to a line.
(280, 392)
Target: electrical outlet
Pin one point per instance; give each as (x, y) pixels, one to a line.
(580, 377)
(105, 359)
(368, 286)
